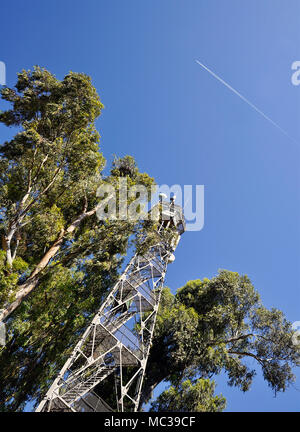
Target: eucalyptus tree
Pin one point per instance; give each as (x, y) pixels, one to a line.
(215, 326)
(57, 260)
(49, 174)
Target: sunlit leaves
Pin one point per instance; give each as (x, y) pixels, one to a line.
(190, 397)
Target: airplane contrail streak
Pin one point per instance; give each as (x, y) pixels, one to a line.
(245, 100)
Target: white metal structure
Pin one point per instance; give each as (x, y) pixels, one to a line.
(112, 354)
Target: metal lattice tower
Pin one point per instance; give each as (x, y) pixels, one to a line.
(112, 354)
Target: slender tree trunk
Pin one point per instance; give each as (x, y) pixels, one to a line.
(147, 393)
(6, 242)
(33, 279)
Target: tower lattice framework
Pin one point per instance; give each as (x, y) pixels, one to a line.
(111, 356)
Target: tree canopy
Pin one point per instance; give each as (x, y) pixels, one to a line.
(53, 246)
(49, 175)
(189, 397)
(212, 326)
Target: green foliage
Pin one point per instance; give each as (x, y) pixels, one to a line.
(49, 174)
(123, 167)
(52, 167)
(43, 332)
(10, 277)
(44, 227)
(189, 397)
(217, 325)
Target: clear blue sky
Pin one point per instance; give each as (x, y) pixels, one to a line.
(185, 127)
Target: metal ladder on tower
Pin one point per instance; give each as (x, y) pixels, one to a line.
(113, 351)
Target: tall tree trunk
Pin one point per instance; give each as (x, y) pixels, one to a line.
(33, 279)
(27, 287)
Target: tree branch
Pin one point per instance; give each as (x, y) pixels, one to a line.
(28, 286)
(244, 353)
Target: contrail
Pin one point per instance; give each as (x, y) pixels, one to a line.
(246, 100)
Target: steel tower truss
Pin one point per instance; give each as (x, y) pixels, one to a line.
(112, 354)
